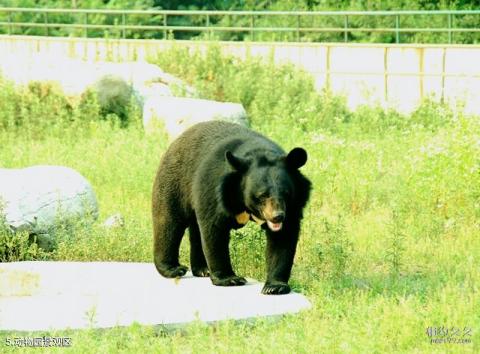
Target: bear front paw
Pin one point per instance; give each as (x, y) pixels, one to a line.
(229, 281)
(172, 271)
(275, 288)
(200, 272)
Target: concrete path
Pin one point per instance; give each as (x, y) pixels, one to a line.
(38, 296)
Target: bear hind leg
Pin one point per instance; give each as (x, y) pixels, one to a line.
(198, 262)
(167, 239)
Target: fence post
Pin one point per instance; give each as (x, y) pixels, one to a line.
(165, 26)
(252, 25)
(345, 34)
(444, 65)
(208, 27)
(397, 26)
(85, 22)
(45, 19)
(328, 83)
(298, 28)
(385, 73)
(9, 22)
(124, 23)
(421, 68)
(449, 28)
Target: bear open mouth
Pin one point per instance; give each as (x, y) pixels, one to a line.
(274, 226)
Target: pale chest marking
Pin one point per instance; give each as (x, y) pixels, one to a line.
(244, 217)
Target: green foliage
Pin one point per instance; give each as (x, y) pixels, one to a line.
(247, 249)
(394, 253)
(39, 106)
(335, 249)
(390, 243)
(271, 94)
(282, 95)
(16, 247)
(357, 21)
(40, 109)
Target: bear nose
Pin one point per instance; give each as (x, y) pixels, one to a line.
(278, 217)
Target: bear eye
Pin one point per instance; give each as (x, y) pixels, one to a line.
(261, 195)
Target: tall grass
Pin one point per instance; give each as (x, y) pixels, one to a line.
(390, 243)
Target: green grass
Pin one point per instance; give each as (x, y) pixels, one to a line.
(390, 243)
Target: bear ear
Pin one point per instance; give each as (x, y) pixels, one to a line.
(237, 163)
(296, 158)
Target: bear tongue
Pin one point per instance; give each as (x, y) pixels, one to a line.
(274, 226)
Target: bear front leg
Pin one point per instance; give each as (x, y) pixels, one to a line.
(280, 253)
(215, 240)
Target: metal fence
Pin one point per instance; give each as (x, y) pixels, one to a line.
(347, 26)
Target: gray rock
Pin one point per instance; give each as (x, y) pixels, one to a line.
(39, 198)
(114, 95)
(114, 221)
(176, 114)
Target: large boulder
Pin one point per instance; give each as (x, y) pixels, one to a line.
(37, 199)
(75, 76)
(177, 114)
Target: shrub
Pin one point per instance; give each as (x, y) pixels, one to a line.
(16, 246)
(40, 109)
(281, 95)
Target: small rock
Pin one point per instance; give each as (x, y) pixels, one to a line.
(114, 221)
(114, 95)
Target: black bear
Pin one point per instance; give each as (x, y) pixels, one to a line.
(214, 178)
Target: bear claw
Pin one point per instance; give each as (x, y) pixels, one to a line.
(201, 272)
(276, 289)
(173, 271)
(229, 281)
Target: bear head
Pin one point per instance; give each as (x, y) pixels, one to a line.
(265, 184)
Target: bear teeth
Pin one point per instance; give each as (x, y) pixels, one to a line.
(274, 226)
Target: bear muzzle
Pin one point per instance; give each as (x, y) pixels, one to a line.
(273, 212)
(276, 222)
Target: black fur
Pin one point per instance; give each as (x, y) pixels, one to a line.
(213, 172)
